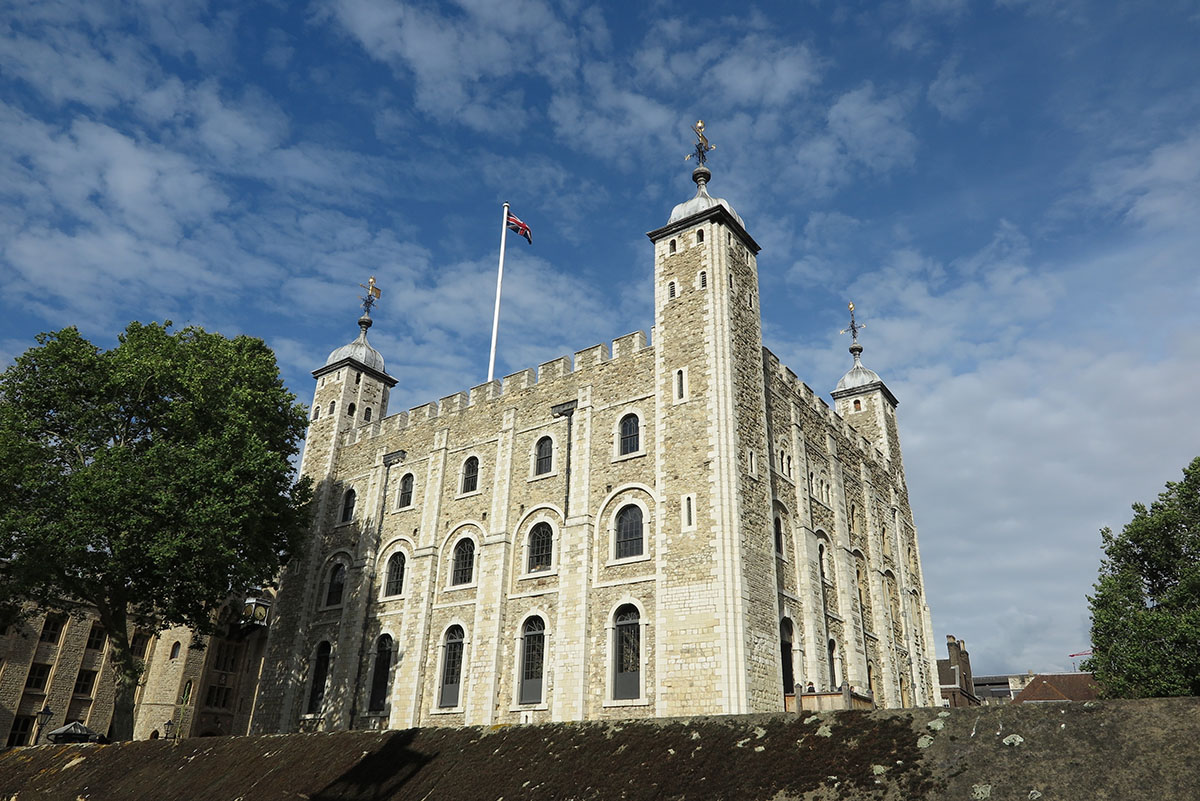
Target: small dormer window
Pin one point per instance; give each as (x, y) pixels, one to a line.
(699, 236)
(671, 246)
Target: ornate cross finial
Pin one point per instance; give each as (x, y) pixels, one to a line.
(373, 293)
(853, 328)
(702, 145)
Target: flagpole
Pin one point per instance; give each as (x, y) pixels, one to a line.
(499, 281)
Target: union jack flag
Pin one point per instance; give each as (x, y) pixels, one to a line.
(518, 227)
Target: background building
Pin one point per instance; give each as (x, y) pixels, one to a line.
(675, 528)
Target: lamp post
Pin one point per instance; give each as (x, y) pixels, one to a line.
(43, 717)
(169, 729)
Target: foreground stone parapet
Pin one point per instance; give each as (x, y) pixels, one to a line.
(1094, 750)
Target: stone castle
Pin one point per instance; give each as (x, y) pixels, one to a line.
(669, 529)
(682, 528)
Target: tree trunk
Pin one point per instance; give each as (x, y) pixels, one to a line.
(127, 672)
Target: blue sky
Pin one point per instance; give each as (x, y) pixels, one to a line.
(1009, 192)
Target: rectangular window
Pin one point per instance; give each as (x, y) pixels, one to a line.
(96, 637)
(39, 673)
(451, 675)
(85, 682)
(22, 729)
(218, 697)
(52, 628)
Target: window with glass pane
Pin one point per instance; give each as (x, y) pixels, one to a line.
(336, 586)
(84, 682)
(545, 456)
(395, 575)
(452, 668)
(464, 562)
(629, 532)
(629, 434)
(381, 678)
(320, 671)
(541, 547)
(21, 731)
(96, 637)
(406, 491)
(533, 653)
(785, 652)
(52, 628)
(39, 673)
(627, 653)
(470, 475)
(348, 506)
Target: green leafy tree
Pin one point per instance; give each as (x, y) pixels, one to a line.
(1146, 610)
(147, 483)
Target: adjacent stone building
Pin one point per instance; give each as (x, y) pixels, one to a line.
(665, 529)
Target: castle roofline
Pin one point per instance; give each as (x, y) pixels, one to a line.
(864, 389)
(350, 361)
(718, 213)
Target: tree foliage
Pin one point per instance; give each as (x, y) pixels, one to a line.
(147, 483)
(1146, 609)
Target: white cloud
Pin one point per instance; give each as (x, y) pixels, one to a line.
(952, 94)
(872, 130)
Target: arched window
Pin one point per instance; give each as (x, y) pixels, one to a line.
(367, 415)
(332, 406)
(320, 672)
(316, 413)
(452, 659)
(629, 532)
(335, 587)
(533, 657)
(470, 475)
(778, 536)
(464, 562)
(543, 456)
(680, 385)
(348, 506)
(699, 235)
(786, 637)
(858, 406)
(671, 246)
(381, 678)
(405, 498)
(395, 575)
(541, 548)
(358, 378)
(175, 650)
(350, 410)
(703, 279)
(629, 435)
(671, 289)
(627, 653)
(689, 517)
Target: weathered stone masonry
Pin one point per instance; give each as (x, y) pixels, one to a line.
(762, 510)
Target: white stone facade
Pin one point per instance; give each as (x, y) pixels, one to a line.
(760, 508)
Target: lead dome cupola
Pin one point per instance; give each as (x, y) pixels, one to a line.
(359, 350)
(858, 375)
(702, 201)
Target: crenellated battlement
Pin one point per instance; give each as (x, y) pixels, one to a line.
(598, 356)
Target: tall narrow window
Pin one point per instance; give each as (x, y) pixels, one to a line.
(778, 536)
(381, 678)
(350, 410)
(785, 653)
(671, 289)
(367, 415)
(629, 532)
(452, 660)
(671, 246)
(543, 457)
(332, 407)
(533, 657)
(464, 562)
(541, 548)
(627, 653)
(395, 575)
(680, 387)
(316, 413)
(175, 650)
(406, 491)
(470, 475)
(703, 279)
(320, 672)
(688, 515)
(699, 235)
(348, 506)
(336, 587)
(629, 434)
(833, 680)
